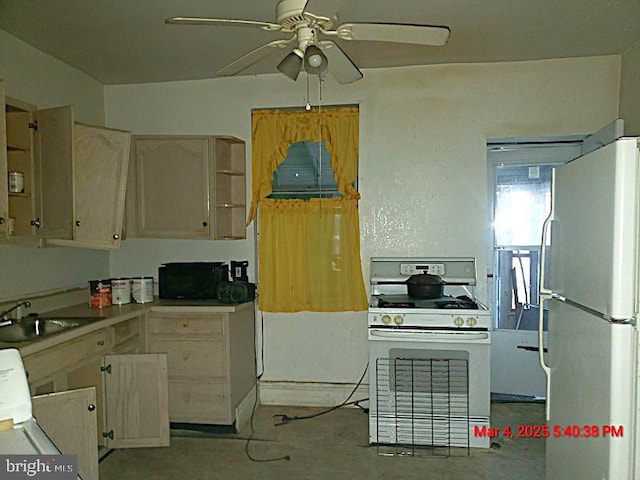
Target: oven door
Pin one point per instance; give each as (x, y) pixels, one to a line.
(429, 387)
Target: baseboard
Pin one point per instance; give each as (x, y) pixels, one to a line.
(309, 394)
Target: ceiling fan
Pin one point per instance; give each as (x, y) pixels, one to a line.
(313, 24)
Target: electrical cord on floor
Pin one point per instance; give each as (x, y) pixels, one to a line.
(255, 403)
(286, 419)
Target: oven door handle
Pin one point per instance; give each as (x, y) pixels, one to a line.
(421, 336)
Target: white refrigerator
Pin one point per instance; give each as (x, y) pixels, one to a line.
(590, 287)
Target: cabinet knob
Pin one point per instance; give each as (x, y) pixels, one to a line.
(116, 236)
(91, 407)
(35, 223)
(1, 220)
(77, 223)
(204, 224)
(100, 343)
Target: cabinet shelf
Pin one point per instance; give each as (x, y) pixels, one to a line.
(234, 173)
(16, 148)
(231, 205)
(179, 181)
(72, 173)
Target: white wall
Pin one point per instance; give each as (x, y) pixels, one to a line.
(422, 169)
(42, 80)
(31, 76)
(630, 90)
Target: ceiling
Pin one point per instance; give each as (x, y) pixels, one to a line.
(127, 41)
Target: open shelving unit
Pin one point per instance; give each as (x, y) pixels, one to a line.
(20, 158)
(230, 188)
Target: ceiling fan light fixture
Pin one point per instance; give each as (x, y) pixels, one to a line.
(290, 65)
(314, 60)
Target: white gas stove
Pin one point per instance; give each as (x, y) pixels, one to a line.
(391, 305)
(429, 358)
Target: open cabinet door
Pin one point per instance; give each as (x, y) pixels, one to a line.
(4, 192)
(54, 169)
(69, 420)
(137, 400)
(101, 162)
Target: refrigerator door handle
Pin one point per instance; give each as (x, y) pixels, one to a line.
(541, 349)
(545, 294)
(543, 251)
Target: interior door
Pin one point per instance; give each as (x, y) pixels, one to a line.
(515, 368)
(522, 200)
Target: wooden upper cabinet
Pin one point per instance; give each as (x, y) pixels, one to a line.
(172, 176)
(187, 187)
(74, 178)
(101, 161)
(38, 145)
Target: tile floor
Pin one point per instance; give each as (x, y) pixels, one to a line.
(332, 446)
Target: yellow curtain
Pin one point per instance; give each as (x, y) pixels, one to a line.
(273, 131)
(309, 250)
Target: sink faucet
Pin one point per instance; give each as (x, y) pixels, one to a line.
(4, 320)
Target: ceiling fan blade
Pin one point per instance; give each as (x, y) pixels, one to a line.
(326, 8)
(340, 65)
(394, 32)
(252, 57)
(222, 22)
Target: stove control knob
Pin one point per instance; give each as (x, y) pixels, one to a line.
(472, 321)
(386, 319)
(398, 319)
(458, 321)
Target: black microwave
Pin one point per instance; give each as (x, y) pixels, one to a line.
(191, 280)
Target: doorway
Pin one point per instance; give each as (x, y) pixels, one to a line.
(520, 189)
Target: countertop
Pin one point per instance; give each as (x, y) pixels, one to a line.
(107, 316)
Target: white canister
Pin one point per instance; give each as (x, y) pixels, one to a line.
(16, 182)
(142, 289)
(120, 291)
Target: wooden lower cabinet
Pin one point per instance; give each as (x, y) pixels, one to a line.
(69, 420)
(129, 407)
(136, 400)
(211, 360)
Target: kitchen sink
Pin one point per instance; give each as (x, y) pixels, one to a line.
(33, 328)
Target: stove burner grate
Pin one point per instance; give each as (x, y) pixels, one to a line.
(391, 304)
(444, 303)
(462, 302)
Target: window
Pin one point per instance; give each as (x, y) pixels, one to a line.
(305, 173)
(521, 179)
(304, 170)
